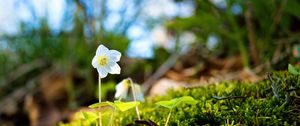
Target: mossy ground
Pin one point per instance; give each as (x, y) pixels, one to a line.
(274, 101)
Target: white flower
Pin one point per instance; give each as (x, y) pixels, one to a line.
(139, 93)
(123, 87)
(105, 61)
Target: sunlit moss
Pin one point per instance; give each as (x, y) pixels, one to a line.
(232, 103)
(274, 101)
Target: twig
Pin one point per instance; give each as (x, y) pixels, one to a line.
(230, 97)
(274, 86)
(251, 34)
(278, 13)
(276, 18)
(293, 89)
(138, 5)
(23, 70)
(160, 72)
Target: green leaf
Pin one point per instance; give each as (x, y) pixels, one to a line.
(105, 118)
(293, 70)
(102, 104)
(176, 101)
(89, 116)
(124, 106)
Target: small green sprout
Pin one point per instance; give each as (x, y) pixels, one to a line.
(90, 118)
(116, 105)
(293, 70)
(122, 106)
(171, 104)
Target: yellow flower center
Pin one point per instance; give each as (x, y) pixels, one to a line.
(102, 60)
(126, 84)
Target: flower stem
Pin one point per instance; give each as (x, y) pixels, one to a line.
(99, 97)
(168, 118)
(111, 118)
(134, 97)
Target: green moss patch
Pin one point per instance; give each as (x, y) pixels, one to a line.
(274, 101)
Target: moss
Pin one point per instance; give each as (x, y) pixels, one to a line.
(274, 101)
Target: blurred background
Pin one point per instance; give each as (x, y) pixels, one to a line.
(46, 48)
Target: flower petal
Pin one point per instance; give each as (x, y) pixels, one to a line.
(102, 72)
(111, 62)
(94, 62)
(102, 50)
(115, 69)
(139, 93)
(115, 55)
(122, 89)
(107, 68)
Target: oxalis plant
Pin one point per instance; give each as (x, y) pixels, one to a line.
(121, 93)
(105, 61)
(116, 106)
(171, 104)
